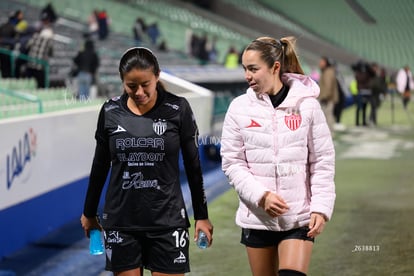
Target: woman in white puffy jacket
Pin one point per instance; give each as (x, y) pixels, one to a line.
(277, 152)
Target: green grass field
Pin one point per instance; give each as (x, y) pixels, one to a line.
(372, 228)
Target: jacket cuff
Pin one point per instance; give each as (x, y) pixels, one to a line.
(325, 211)
(257, 196)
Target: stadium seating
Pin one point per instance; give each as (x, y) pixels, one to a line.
(174, 19)
(184, 19)
(30, 100)
(384, 42)
(17, 84)
(173, 23)
(260, 11)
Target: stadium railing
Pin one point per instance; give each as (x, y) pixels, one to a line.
(16, 55)
(15, 103)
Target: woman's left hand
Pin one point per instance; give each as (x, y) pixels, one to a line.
(316, 224)
(205, 226)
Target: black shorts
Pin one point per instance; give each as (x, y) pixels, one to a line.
(264, 238)
(164, 251)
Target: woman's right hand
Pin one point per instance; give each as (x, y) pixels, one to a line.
(273, 204)
(89, 224)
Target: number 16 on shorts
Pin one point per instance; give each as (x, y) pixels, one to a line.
(181, 237)
(180, 257)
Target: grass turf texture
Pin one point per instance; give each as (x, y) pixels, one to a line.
(371, 231)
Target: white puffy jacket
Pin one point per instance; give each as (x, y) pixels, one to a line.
(287, 150)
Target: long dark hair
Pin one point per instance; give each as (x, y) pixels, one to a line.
(140, 58)
(282, 50)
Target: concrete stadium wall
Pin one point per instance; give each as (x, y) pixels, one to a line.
(44, 161)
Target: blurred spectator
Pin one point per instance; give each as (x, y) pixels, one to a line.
(353, 88)
(203, 54)
(153, 33)
(363, 75)
(7, 41)
(405, 84)
(379, 88)
(20, 69)
(199, 48)
(340, 105)
(139, 30)
(49, 12)
(163, 46)
(21, 24)
(40, 47)
(194, 45)
(329, 95)
(212, 50)
(93, 24)
(103, 25)
(87, 63)
(231, 60)
(24, 33)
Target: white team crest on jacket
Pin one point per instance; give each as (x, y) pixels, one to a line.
(159, 126)
(293, 121)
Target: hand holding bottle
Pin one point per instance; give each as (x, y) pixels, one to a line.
(203, 234)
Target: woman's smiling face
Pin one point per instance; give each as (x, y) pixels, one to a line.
(258, 75)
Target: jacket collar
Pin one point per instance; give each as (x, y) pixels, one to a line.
(300, 87)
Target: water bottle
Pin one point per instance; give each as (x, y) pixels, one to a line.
(202, 241)
(96, 246)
